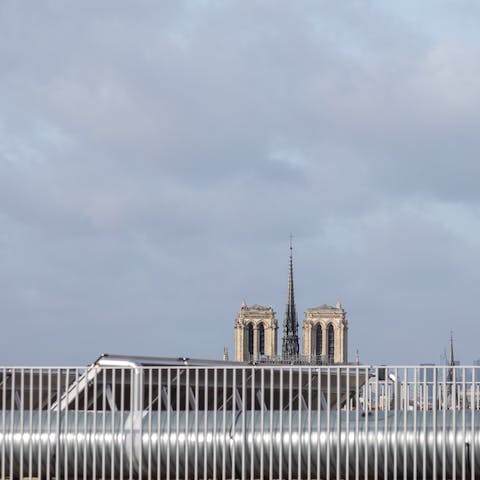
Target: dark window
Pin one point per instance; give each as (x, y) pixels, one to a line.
(261, 339)
(331, 343)
(250, 338)
(318, 345)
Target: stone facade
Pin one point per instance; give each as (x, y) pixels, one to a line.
(255, 333)
(319, 326)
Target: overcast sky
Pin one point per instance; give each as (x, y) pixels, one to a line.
(155, 157)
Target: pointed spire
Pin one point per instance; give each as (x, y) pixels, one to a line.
(452, 358)
(451, 371)
(290, 344)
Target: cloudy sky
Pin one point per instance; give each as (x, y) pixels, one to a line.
(155, 157)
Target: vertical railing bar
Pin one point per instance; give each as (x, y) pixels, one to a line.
(244, 407)
(309, 424)
(444, 421)
(30, 425)
(395, 423)
(113, 433)
(262, 422)
(271, 428)
(415, 434)
(215, 414)
(338, 433)
(22, 393)
(30, 422)
(197, 395)
(406, 403)
(377, 398)
(435, 385)
(159, 425)
(12, 412)
(233, 427)
(57, 425)
(49, 421)
(77, 407)
(328, 431)
(66, 420)
(104, 419)
(86, 434)
(453, 407)
(4, 430)
(319, 413)
(177, 424)
(473, 402)
(252, 422)
(290, 426)
(168, 433)
(94, 435)
(149, 426)
(40, 424)
(299, 424)
(205, 425)
(386, 410)
(280, 426)
(187, 415)
(367, 406)
(347, 423)
(424, 420)
(224, 424)
(357, 422)
(122, 421)
(464, 436)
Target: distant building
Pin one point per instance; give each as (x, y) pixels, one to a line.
(324, 331)
(255, 333)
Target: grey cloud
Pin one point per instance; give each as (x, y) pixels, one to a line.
(154, 159)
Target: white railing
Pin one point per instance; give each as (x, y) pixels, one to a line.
(221, 421)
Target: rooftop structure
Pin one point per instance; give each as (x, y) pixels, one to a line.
(161, 418)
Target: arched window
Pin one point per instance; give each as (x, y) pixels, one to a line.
(261, 339)
(250, 338)
(330, 344)
(318, 343)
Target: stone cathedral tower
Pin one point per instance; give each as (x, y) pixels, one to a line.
(325, 333)
(255, 333)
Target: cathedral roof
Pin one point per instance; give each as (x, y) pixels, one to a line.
(259, 307)
(325, 307)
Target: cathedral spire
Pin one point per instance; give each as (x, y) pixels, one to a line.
(452, 357)
(290, 345)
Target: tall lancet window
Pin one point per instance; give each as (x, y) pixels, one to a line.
(250, 338)
(261, 339)
(318, 343)
(330, 343)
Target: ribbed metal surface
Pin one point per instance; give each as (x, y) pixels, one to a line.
(113, 446)
(245, 422)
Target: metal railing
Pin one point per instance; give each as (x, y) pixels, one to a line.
(299, 359)
(228, 422)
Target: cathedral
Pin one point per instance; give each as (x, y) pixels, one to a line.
(324, 333)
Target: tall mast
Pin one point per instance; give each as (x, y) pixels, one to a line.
(290, 345)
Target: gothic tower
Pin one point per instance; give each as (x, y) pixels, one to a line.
(325, 334)
(290, 345)
(255, 333)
